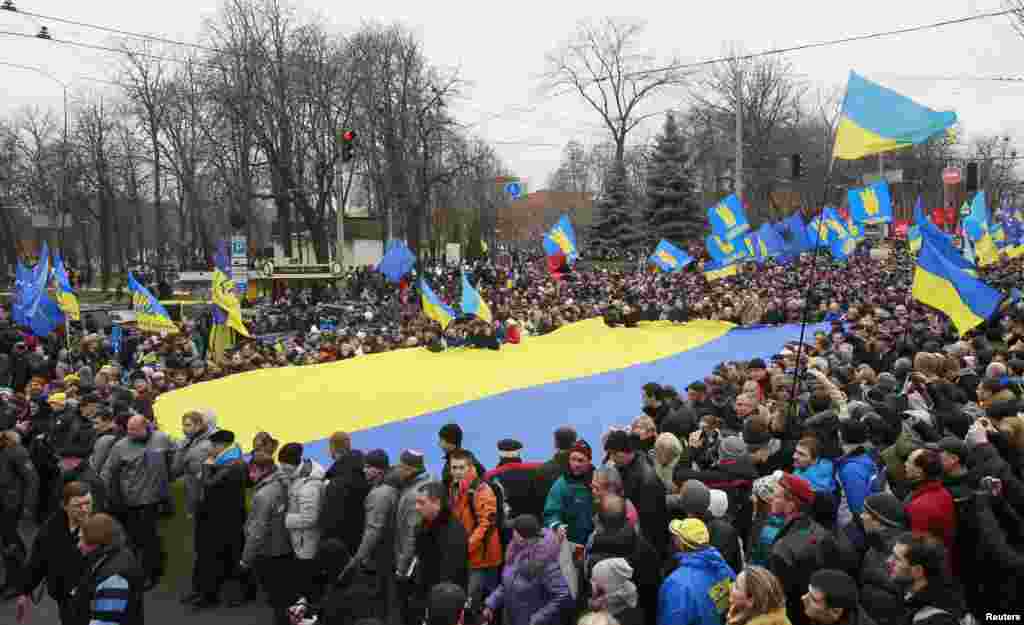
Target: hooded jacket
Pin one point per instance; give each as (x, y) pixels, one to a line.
(533, 590)
(407, 520)
(265, 532)
(697, 592)
(305, 492)
(483, 536)
(189, 457)
(571, 503)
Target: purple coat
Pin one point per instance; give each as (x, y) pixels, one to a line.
(533, 590)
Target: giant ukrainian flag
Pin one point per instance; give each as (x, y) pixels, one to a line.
(875, 119)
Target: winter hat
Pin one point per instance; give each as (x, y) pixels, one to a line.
(887, 509)
(222, 437)
(527, 526)
(618, 440)
(839, 588)
(731, 448)
(798, 487)
(583, 447)
(57, 398)
(719, 503)
(692, 532)
(612, 573)
(695, 498)
(377, 459)
(412, 459)
(764, 487)
(451, 433)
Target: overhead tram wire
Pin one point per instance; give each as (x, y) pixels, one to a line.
(820, 44)
(121, 32)
(97, 47)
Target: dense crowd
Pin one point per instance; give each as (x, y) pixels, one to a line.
(871, 476)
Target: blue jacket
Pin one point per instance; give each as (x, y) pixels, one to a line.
(570, 502)
(856, 472)
(821, 475)
(697, 592)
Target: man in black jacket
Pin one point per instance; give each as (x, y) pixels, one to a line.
(342, 516)
(522, 489)
(643, 487)
(55, 555)
(111, 587)
(616, 538)
(550, 471)
(442, 549)
(19, 492)
(918, 565)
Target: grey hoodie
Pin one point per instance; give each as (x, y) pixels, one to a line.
(406, 522)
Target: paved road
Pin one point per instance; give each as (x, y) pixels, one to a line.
(162, 606)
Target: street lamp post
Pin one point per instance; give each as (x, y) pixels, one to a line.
(61, 207)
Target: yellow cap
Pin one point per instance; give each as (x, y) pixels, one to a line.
(692, 532)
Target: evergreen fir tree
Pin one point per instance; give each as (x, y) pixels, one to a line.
(615, 229)
(672, 211)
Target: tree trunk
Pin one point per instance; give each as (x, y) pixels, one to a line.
(158, 216)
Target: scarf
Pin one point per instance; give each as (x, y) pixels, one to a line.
(228, 455)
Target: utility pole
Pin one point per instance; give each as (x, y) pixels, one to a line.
(339, 197)
(738, 182)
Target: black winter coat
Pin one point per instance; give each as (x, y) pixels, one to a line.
(647, 492)
(342, 513)
(55, 558)
(645, 560)
(102, 565)
(443, 552)
(733, 476)
(801, 548)
(72, 435)
(882, 598)
(220, 512)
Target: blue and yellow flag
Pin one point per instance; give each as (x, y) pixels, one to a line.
(930, 230)
(727, 218)
(963, 297)
(976, 226)
(669, 258)
(769, 242)
(224, 297)
(66, 298)
(150, 315)
(871, 204)
(716, 271)
(398, 261)
(724, 251)
(875, 119)
(914, 238)
(561, 239)
(793, 232)
(433, 307)
(472, 303)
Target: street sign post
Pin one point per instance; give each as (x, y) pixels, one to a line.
(240, 262)
(514, 189)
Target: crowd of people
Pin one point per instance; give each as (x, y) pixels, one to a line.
(870, 476)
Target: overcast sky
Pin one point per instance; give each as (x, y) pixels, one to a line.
(500, 50)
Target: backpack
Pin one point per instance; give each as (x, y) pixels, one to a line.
(928, 611)
(502, 511)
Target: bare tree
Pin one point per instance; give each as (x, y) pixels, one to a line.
(769, 96)
(601, 64)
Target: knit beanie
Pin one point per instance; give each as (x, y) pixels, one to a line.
(887, 509)
(612, 573)
(412, 459)
(583, 447)
(692, 532)
(378, 459)
(451, 433)
(695, 498)
(719, 504)
(731, 448)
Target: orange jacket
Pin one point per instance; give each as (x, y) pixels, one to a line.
(481, 556)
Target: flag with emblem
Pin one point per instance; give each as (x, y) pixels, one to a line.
(727, 219)
(669, 258)
(871, 204)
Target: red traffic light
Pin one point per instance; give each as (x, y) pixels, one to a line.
(348, 135)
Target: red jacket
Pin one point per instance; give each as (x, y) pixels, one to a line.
(931, 511)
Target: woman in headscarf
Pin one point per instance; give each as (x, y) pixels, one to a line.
(614, 591)
(533, 590)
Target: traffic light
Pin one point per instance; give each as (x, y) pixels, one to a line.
(797, 166)
(348, 146)
(971, 184)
